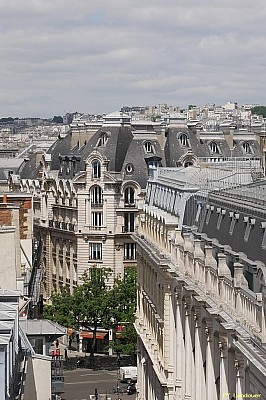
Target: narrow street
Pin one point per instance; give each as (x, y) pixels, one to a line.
(81, 383)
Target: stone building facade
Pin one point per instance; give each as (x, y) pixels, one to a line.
(201, 287)
(87, 188)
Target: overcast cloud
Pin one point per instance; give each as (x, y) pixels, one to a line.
(61, 56)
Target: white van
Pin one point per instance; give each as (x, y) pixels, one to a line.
(128, 374)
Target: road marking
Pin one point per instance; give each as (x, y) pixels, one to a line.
(82, 382)
(91, 373)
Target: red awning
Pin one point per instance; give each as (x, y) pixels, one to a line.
(89, 335)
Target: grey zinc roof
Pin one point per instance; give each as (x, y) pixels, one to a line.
(61, 147)
(137, 156)
(9, 164)
(41, 327)
(116, 146)
(247, 201)
(30, 169)
(174, 150)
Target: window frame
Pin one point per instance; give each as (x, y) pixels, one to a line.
(95, 251)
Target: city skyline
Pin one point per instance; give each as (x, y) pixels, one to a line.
(60, 56)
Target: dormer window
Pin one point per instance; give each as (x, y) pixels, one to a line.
(153, 164)
(214, 148)
(96, 169)
(103, 139)
(247, 148)
(183, 139)
(148, 147)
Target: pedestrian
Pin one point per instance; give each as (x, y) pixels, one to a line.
(57, 343)
(69, 342)
(96, 394)
(66, 356)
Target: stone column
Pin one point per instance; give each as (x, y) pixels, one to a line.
(179, 353)
(188, 355)
(224, 379)
(200, 384)
(210, 374)
(240, 375)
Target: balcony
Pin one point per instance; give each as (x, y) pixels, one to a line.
(67, 226)
(130, 205)
(96, 205)
(93, 228)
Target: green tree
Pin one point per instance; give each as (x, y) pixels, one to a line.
(58, 119)
(94, 304)
(124, 298)
(7, 119)
(87, 306)
(61, 309)
(259, 110)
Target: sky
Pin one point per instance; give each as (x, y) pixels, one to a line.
(60, 56)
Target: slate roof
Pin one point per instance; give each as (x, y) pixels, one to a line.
(123, 148)
(29, 170)
(115, 149)
(137, 156)
(174, 150)
(247, 201)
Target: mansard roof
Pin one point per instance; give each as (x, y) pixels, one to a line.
(30, 168)
(243, 222)
(174, 149)
(139, 159)
(118, 141)
(61, 147)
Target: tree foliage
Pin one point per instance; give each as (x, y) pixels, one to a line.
(259, 110)
(58, 119)
(7, 119)
(94, 304)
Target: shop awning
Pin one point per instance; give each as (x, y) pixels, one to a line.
(89, 335)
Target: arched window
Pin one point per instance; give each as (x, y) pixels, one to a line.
(247, 148)
(183, 139)
(96, 195)
(214, 148)
(129, 195)
(148, 147)
(188, 163)
(96, 169)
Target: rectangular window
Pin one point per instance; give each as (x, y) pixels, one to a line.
(129, 251)
(97, 219)
(95, 251)
(129, 222)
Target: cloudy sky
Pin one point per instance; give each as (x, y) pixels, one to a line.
(95, 56)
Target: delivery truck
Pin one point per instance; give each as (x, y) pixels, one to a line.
(128, 374)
